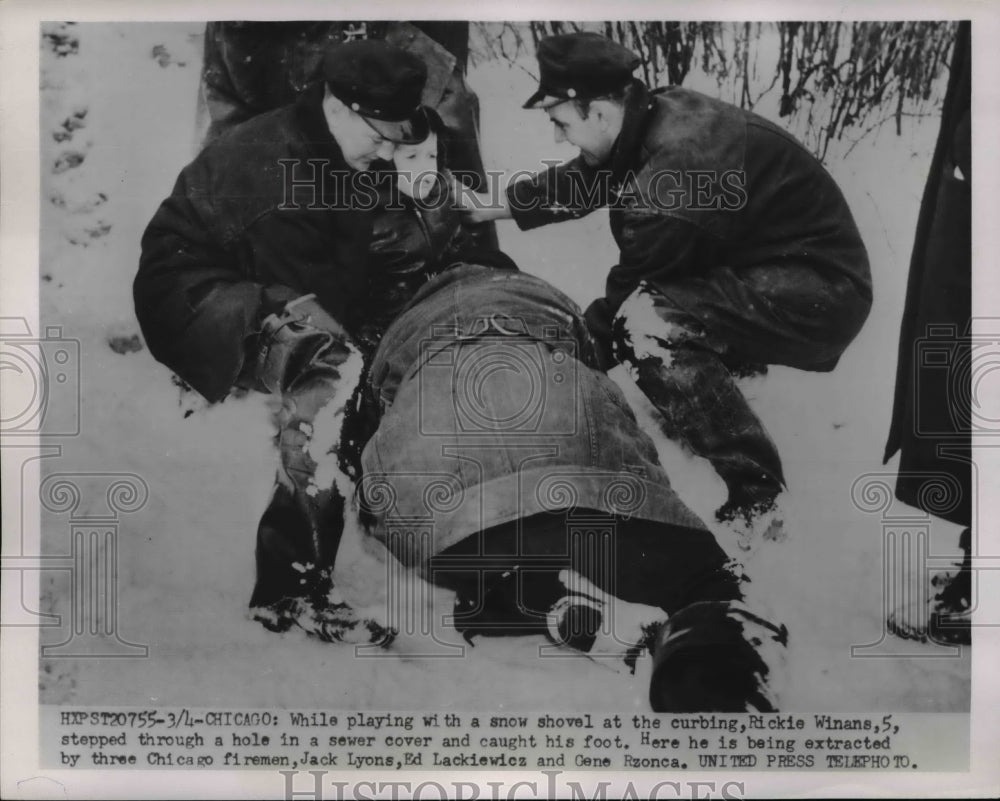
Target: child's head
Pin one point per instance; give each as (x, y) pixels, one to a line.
(418, 166)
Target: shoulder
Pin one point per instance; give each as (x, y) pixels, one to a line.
(242, 174)
(689, 130)
(250, 153)
(769, 143)
(691, 164)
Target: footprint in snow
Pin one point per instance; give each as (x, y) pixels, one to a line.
(68, 161)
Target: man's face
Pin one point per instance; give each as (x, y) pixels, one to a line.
(359, 142)
(591, 133)
(417, 167)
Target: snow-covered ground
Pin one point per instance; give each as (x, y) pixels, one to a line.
(117, 124)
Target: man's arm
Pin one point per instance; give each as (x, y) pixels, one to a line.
(564, 192)
(197, 311)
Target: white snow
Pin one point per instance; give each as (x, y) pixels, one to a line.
(647, 332)
(185, 559)
(768, 526)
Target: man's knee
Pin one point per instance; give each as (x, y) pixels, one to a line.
(824, 341)
(646, 326)
(815, 316)
(852, 312)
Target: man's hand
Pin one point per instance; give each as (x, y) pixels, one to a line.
(479, 207)
(300, 334)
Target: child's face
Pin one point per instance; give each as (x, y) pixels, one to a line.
(417, 167)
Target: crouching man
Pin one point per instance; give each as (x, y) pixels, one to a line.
(509, 468)
(737, 250)
(254, 274)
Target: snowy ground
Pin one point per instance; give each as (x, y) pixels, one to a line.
(117, 124)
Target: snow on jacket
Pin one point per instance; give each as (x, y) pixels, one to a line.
(235, 241)
(695, 182)
(493, 412)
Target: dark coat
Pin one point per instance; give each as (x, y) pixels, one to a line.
(494, 412)
(411, 242)
(696, 183)
(228, 247)
(931, 417)
(249, 68)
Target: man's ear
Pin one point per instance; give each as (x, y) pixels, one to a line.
(602, 110)
(602, 117)
(609, 115)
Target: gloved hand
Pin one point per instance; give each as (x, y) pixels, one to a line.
(302, 333)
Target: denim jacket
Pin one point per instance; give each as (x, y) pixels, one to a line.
(494, 411)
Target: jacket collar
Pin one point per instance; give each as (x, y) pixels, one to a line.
(638, 110)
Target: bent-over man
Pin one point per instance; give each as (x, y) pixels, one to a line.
(254, 274)
(737, 250)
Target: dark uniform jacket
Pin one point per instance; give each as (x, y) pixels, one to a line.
(694, 183)
(494, 412)
(236, 240)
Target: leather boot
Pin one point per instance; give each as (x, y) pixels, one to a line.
(717, 656)
(951, 606)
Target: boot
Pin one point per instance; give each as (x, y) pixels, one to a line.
(593, 622)
(949, 618)
(717, 656)
(951, 609)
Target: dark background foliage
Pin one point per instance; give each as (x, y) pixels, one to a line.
(836, 78)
